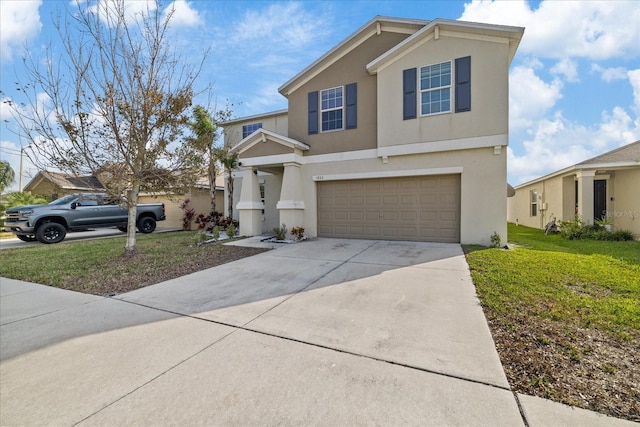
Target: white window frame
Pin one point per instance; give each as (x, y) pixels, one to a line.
(341, 108)
(257, 125)
(533, 199)
(433, 89)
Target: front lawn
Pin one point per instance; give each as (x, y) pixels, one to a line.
(565, 316)
(99, 267)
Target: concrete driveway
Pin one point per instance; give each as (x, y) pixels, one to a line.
(325, 332)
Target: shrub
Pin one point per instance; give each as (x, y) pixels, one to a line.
(187, 215)
(621, 235)
(280, 232)
(297, 232)
(219, 220)
(215, 233)
(496, 240)
(599, 230)
(231, 230)
(202, 221)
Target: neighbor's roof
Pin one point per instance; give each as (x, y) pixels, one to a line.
(626, 153)
(66, 181)
(625, 156)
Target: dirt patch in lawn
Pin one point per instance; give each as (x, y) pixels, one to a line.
(579, 367)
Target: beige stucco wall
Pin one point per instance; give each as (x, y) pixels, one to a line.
(483, 185)
(489, 93)
(349, 69)
(199, 201)
(275, 123)
(624, 210)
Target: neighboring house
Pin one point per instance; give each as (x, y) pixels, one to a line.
(52, 185)
(606, 186)
(199, 201)
(399, 133)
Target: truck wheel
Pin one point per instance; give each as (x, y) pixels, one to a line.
(26, 237)
(51, 232)
(146, 224)
(123, 229)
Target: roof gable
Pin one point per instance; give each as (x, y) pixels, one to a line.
(437, 27)
(263, 135)
(374, 27)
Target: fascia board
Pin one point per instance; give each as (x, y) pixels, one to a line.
(577, 168)
(262, 135)
(449, 27)
(255, 117)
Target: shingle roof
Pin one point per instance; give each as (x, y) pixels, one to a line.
(626, 153)
(71, 182)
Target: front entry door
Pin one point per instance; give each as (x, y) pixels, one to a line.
(599, 199)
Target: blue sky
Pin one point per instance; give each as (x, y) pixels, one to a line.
(574, 83)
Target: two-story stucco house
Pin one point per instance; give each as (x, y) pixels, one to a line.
(398, 133)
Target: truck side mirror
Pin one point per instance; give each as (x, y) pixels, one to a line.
(74, 205)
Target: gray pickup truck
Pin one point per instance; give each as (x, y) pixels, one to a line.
(50, 223)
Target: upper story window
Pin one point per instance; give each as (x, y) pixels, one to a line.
(331, 107)
(435, 88)
(249, 129)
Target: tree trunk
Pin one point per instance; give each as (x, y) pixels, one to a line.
(230, 192)
(132, 201)
(213, 173)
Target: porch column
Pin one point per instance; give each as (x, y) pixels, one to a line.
(291, 204)
(585, 195)
(250, 206)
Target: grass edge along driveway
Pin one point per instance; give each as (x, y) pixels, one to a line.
(565, 316)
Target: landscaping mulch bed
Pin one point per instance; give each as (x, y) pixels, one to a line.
(578, 367)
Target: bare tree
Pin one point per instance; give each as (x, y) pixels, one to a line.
(112, 103)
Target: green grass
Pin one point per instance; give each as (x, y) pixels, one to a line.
(99, 266)
(579, 283)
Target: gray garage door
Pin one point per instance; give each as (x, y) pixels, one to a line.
(423, 208)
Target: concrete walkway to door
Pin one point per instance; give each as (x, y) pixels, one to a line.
(325, 332)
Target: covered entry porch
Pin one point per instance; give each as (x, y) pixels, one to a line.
(279, 156)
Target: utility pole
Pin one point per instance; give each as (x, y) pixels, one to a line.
(21, 168)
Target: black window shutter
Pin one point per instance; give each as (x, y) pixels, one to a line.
(313, 112)
(463, 84)
(352, 110)
(409, 95)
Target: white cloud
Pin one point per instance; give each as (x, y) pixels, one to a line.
(568, 69)
(183, 14)
(610, 74)
(560, 29)
(134, 10)
(530, 98)
(634, 80)
(286, 25)
(20, 23)
(557, 143)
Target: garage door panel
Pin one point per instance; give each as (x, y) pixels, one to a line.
(408, 208)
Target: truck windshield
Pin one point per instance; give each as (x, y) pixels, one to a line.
(64, 200)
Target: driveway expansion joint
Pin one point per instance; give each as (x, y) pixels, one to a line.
(338, 350)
